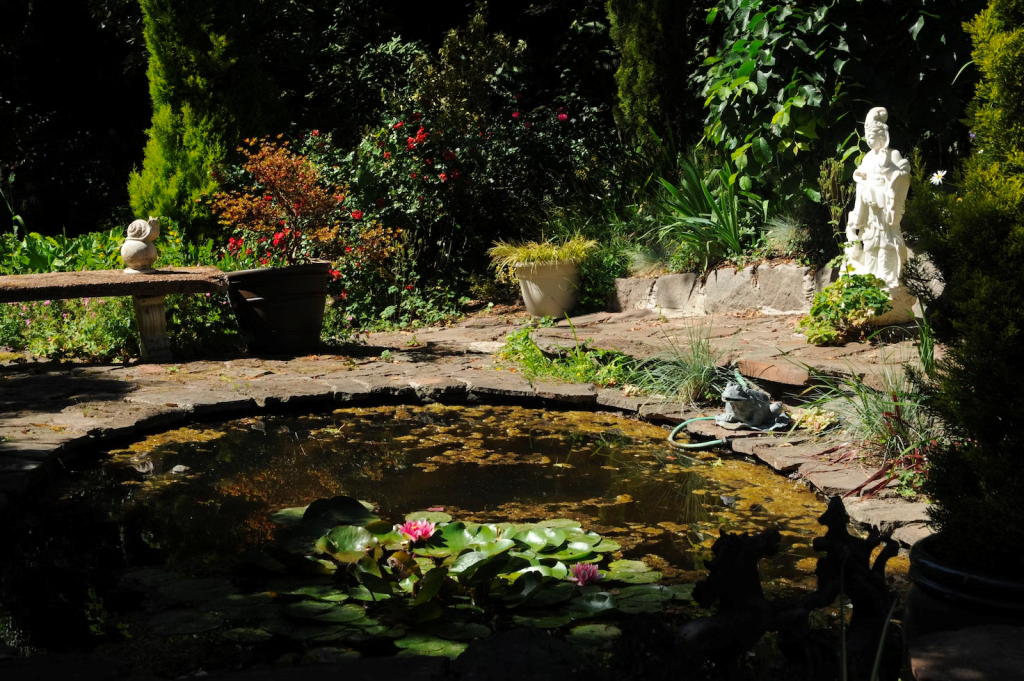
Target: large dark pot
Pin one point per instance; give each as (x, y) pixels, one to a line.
(947, 598)
(281, 309)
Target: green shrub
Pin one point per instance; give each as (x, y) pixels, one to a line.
(577, 364)
(843, 310)
(785, 86)
(974, 238)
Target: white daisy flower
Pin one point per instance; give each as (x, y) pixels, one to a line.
(938, 176)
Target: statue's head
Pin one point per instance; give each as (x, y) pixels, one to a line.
(876, 132)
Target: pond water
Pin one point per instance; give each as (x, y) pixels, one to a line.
(94, 563)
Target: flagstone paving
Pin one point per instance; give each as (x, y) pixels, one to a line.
(50, 411)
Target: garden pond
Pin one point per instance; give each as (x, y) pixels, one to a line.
(191, 549)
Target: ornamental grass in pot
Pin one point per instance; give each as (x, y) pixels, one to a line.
(292, 223)
(548, 272)
(971, 571)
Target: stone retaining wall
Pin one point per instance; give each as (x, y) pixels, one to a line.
(780, 289)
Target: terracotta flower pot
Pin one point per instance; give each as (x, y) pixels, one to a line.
(549, 289)
(281, 309)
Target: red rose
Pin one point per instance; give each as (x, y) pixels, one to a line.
(563, 117)
(527, 124)
(315, 133)
(397, 125)
(412, 175)
(387, 155)
(357, 215)
(515, 114)
(444, 177)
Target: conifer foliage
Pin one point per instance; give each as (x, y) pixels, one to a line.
(204, 89)
(975, 238)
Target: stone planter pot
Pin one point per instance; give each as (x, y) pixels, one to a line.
(549, 289)
(948, 598)
(280, 309)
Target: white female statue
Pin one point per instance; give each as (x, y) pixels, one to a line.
(873, 228)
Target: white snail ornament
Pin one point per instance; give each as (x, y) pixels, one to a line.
(138, 251)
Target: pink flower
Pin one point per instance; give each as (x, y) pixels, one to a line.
(585, 573)
(527, 124)
(515, 114)
(415, 530)
(563, 117)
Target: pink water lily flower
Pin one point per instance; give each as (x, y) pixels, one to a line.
(415, 530)
(585, 573)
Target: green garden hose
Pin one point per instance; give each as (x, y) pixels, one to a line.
(692, 445)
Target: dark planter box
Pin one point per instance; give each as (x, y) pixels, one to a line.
(280, 309)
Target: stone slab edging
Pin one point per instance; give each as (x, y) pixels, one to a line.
(50, 413)
(784, 288)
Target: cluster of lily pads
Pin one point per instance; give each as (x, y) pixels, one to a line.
(436, 583)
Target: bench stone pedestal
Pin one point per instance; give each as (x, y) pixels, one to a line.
(152, 319)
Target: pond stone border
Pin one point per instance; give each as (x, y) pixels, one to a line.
(50, 413)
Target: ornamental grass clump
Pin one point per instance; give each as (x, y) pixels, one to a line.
(507, 256)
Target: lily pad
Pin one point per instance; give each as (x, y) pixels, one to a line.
(628, 566)
(590, 604)
(543, 621)
(341, 510)
(634, 577)
(329, 655)
(418, 643)
(449, 541)
(458, 631)
(196, 590)
(361, 593)
(322, 611)
(574, 551)
(288, 516)
(430, 516)
(300, 586)
(307, 630)
(553, 594)
(181, 622)
(346, 543)
(241, 606)
(247, 635)
(559, 522)
(593, 635)
(607, 546)
(634, 600)
(682, 592)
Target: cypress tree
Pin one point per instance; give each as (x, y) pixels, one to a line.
(206, 89)
(659, 42)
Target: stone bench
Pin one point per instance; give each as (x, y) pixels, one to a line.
(147, 292)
